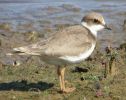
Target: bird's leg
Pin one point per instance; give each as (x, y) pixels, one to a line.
(61, 72)
(60, 79)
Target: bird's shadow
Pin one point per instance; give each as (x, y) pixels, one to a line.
(25, 86)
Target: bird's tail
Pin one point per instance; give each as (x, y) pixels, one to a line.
(18, 51)
(25, 50)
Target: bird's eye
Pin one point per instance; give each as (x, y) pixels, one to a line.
(96, 21)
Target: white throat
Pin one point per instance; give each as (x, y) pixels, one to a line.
(94, 28)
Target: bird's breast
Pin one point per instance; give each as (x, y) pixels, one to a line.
(80, 57)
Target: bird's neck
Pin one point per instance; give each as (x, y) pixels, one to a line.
(90, 28)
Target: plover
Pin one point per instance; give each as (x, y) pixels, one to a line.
(70, 45)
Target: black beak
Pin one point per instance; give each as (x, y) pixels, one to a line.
(106, 27)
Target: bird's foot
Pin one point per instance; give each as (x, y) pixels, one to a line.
(68, 90)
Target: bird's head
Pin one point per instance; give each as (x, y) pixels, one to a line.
(94, 22)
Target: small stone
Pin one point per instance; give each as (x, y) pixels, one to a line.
(79, 69)
(16, 63)
(99, 93)
(14, 97)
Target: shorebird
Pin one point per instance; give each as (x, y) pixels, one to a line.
(68, 46)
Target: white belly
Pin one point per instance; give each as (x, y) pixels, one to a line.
(80, 57)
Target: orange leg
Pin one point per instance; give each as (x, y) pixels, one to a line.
(61, 72)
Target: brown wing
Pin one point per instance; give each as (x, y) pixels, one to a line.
(70, 41)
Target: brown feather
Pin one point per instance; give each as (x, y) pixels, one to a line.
(70, 41)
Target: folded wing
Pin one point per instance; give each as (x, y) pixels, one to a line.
(70, 41)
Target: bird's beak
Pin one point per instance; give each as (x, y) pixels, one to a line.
(106, 27)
